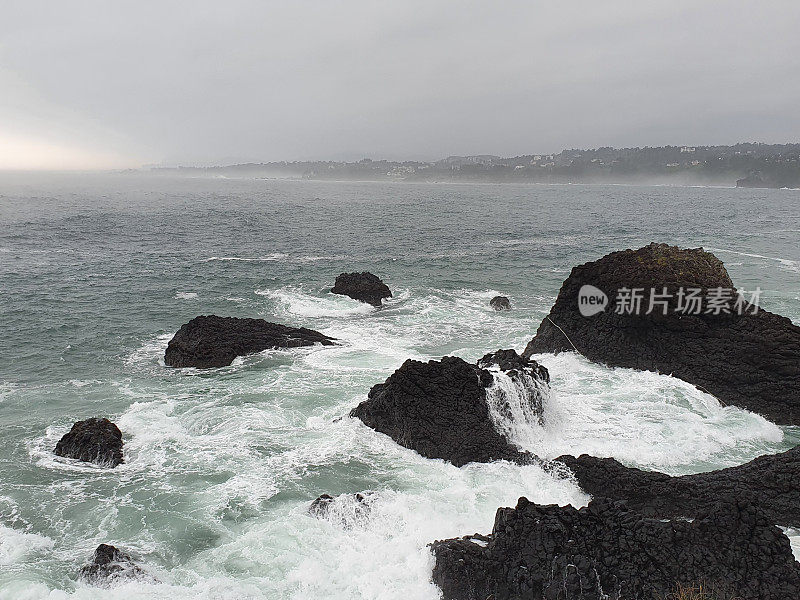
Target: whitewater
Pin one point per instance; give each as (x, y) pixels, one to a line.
(98, 272)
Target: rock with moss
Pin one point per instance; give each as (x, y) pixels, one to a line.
(750, 360)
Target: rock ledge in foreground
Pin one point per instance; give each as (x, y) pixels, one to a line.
(770, 482)
(607, 551)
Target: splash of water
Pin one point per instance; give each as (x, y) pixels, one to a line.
(516, 406)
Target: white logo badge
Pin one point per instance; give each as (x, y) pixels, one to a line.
(591, 300)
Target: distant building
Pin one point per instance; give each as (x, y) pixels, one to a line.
(688, 149)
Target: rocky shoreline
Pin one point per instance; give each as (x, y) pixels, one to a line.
(643, 532)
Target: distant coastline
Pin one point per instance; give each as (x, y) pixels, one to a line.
(750, 165)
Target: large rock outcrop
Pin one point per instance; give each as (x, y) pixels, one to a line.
(440, 408)
(746, 360)
(771, 482)
(212, 341)
(364, 287)
(110, 565)
(607, 551)
(96, 440)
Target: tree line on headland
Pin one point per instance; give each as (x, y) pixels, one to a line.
(744, 165)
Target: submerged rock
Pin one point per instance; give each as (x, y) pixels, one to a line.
(364, 287)
(110, 564)
(211, 341)
(346, 509)
(500, 303)
(440, 408)
(747, 360)
(95, 440)
(607, 551)
(770, 482)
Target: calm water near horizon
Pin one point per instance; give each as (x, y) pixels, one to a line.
(97, 272)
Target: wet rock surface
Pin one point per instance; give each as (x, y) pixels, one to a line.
(96, 440)
(439, 408)
(364, 287)
(109, 565)
(748, 360)
(607, 551)
(212, 341)
(500, 303)
(771, 482)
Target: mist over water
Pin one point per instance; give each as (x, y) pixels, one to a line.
(97, 274)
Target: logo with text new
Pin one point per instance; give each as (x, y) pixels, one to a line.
(591, 300)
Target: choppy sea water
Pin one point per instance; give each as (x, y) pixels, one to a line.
(98, 272)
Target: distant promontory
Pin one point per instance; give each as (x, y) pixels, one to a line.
(752, 165)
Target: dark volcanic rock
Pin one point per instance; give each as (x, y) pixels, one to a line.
(607, 551)
(365, 287)
(749, 360)
(211, 341)
(770, 481)
(108, 565)
(500, 303)
(93, 440)
(440, 409)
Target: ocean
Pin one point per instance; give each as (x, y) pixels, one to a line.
(97, 272)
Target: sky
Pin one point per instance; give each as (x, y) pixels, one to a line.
(104, 85)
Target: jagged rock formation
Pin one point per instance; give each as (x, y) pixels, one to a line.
(109, 565)
(364, 287)
(212, 341)
(93, 440)
(500, 303)
(748, 360)
(770, 482)
(439, 408)
(607, 551)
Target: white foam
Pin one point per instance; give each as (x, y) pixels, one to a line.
(514, 405)
(644, 419)
(794, 539)
(17, 546)
(787, 264)
(294, 301)
(6, 390)
(275, 256)
(185, 295)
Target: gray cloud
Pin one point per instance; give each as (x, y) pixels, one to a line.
(203, 82)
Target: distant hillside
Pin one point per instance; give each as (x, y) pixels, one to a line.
(745, 165)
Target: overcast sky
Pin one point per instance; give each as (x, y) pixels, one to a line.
(109, 84)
